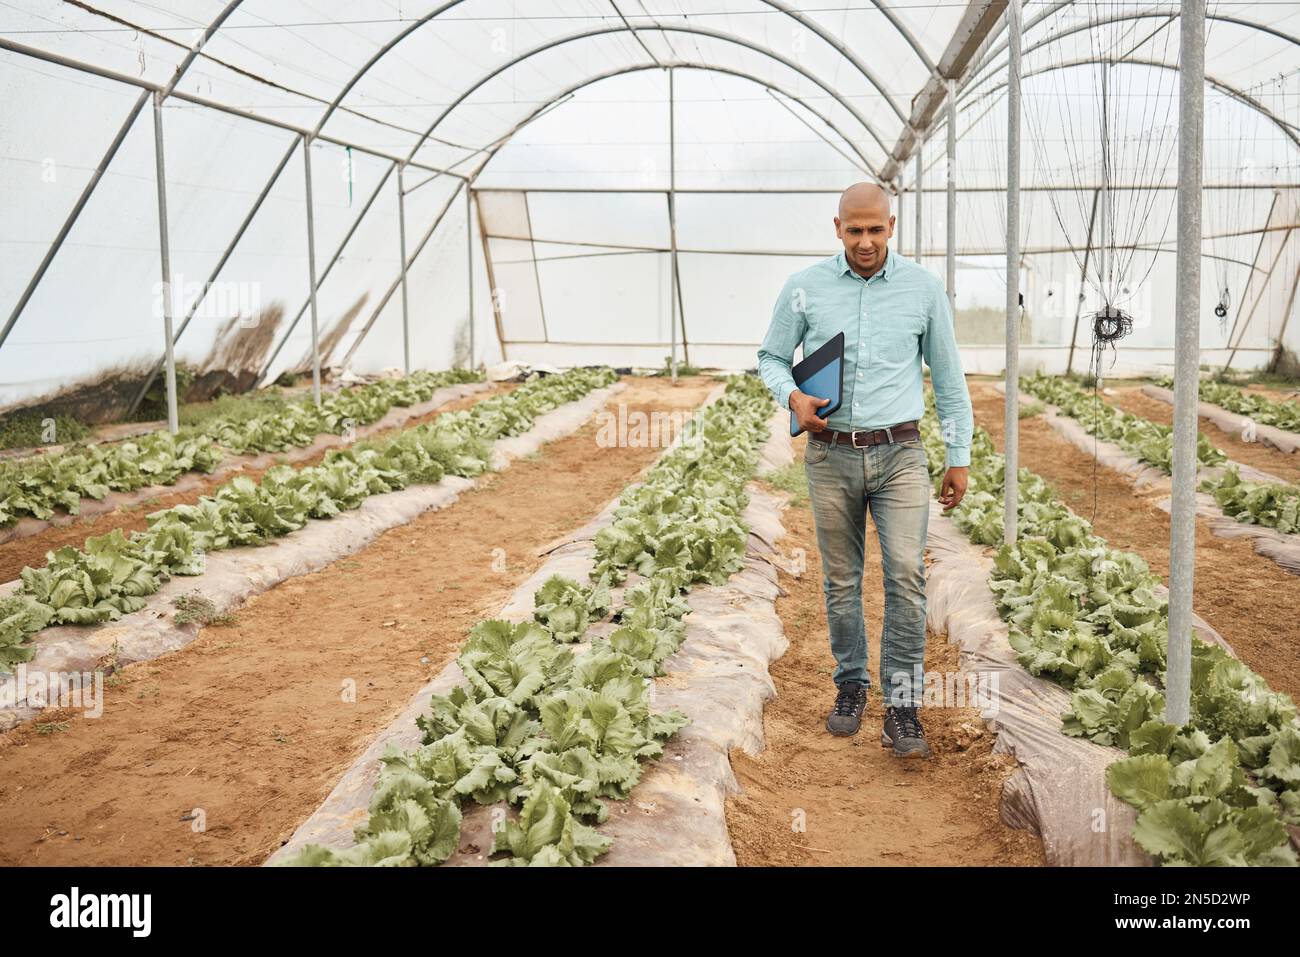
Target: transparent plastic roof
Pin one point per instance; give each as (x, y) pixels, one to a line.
(443, 83)
(492, 104)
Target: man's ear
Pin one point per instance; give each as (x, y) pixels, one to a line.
(838, 232)
(892, 220)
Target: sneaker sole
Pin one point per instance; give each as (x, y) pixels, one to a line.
(922, 752)
(843, 734)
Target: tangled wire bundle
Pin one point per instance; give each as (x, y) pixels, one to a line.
(1109, 325)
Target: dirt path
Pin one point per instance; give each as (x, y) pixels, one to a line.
(1243, 595)
(248, 723)
(17, 554)
(1284, 465)
(860, 805)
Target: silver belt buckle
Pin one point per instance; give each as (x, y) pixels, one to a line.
(888, 430)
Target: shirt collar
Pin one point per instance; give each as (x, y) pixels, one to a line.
(843, 263)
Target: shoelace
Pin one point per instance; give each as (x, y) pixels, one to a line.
(846, 702)
(909, 726)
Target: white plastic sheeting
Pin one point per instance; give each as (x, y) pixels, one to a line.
(769, 96)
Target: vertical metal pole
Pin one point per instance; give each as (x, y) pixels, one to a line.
(1187, 356)
(1083, 281)
(1254, 264)
(672, 218)
(469, 267)
(1011, 423)
(311, 272)
(164, 248)
(950, 276)
(401, 229)
(920, 199)
(491, 274)
(1104, 195)
(899, 218)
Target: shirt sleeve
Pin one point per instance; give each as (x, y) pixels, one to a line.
(786, 332)
(951, 397)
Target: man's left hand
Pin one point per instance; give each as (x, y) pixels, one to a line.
(954, 487)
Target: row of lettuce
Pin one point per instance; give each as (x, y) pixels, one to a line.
(115, 573)
(39, 485)
(1216, 791)
(1283, 414)
(557, 734)
(1271, 504)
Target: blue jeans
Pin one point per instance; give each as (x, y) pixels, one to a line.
(893, 481)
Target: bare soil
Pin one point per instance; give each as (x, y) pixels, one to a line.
(811, 799)
(216, 753)
(1285, 465)
(1244, 596)
(19, 553)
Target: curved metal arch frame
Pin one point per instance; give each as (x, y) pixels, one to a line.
(795, 15)
(697, 31)
(621, 71)
(1225, 88)
(989, 63)
(89, 189)
(641, 68)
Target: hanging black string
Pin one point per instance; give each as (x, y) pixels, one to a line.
(1109, 325)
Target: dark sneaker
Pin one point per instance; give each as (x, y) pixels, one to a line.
(903, 732)
(846, 717)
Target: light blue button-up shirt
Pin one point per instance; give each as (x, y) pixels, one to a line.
(890, 323)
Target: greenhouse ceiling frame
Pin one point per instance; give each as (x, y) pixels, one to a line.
(965, 65)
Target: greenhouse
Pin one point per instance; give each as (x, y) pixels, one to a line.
(301, 300)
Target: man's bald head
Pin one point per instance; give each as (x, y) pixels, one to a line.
(864, 225)
(864, 197)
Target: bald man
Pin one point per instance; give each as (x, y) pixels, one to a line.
(868, 455)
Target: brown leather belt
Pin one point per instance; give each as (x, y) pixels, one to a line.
(902, 432)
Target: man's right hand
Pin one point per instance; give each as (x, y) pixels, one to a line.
(805, 411)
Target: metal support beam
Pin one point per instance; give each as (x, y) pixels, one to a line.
(392, 289)
(1083, 281)
(681, 318)
(469, 270)
(401, 231)
(897, 212)
(89, 189)
(325, 273)
(672, 223)
(691, 30)
(950, 275)
(1103, 195)
(1187, 355)
(74, 215)
(311, 271)
(491, 275)
(1011, 418)
(1254, 266)
(164, 249)
(216, 272)
(973, 29)
(920, 200)
(1259, 296)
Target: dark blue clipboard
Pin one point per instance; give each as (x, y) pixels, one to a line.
(821, 375)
